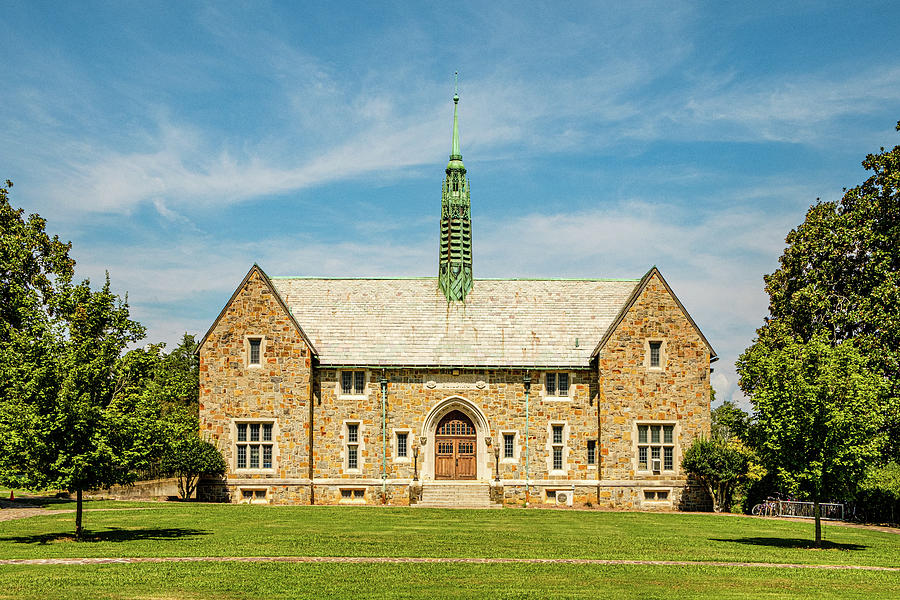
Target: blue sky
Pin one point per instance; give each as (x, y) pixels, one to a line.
(178, 143)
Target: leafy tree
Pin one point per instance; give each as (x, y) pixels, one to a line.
(840, 275)
(32, 266)
(878, 499)
(81, 436)
(721, 464)
(178, 376)
(819, 414)
(824, 370)
(729, 421)
(188, 457)
(62, 426)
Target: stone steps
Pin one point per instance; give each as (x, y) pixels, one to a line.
(456, 495)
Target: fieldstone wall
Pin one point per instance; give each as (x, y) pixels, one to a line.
(277, 390)
(623, 388)
(412, 393)
(632, 392)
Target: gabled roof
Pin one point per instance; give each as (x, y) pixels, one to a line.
(635, 294)
(539, 323)
(256, 269)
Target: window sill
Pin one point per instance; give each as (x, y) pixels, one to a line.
(557, 398)
(402, 460)
(558, 473)
(509, 461)
(252, 471)
(353, 396)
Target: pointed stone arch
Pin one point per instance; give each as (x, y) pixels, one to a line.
(482, 430)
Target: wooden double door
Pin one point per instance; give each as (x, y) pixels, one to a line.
(455, 447)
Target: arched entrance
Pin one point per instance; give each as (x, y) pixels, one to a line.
(455, 454)
(473, 416)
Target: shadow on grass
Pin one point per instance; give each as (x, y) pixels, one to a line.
(773, 542)
(38, 502)
(112, 534)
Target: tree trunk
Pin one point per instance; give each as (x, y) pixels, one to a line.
(818, 513)
(190, 485)
(78, 528)
(712, 493)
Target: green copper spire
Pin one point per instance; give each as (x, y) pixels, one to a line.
(455, 154)
(455, 260)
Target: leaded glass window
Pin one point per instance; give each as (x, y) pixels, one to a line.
(255, 345)
(353, 383)
(557, 385)
(401, 444)
(656, 447)
(655, 348)
(509, 448)
(254, 445)
(557, 447)
(352, 446)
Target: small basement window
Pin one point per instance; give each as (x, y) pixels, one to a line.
(656, 495)
(353, 495)
(253, 496)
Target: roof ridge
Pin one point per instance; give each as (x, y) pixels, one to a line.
(424, 277)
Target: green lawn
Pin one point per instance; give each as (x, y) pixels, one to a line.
(279, 580)
(177, 529)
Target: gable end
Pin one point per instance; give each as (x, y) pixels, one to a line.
(638, 290)
(268, 282)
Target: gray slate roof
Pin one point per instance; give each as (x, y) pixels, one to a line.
(547, 323)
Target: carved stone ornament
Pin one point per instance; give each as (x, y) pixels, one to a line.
(422, 440)
(431, 384)
(487, 440)
(480, 384)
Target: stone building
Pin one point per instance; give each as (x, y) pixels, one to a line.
(452, 390)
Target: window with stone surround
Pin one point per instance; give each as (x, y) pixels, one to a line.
(254, 445)
(351, 446)
(557, 447)
(254, 348)
(556, 385)
(655, 354)
(401, 445)
(353, 383)
(656, 447)
(591, 452)
(509, 446)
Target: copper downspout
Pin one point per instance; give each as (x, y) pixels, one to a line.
(312, 394)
